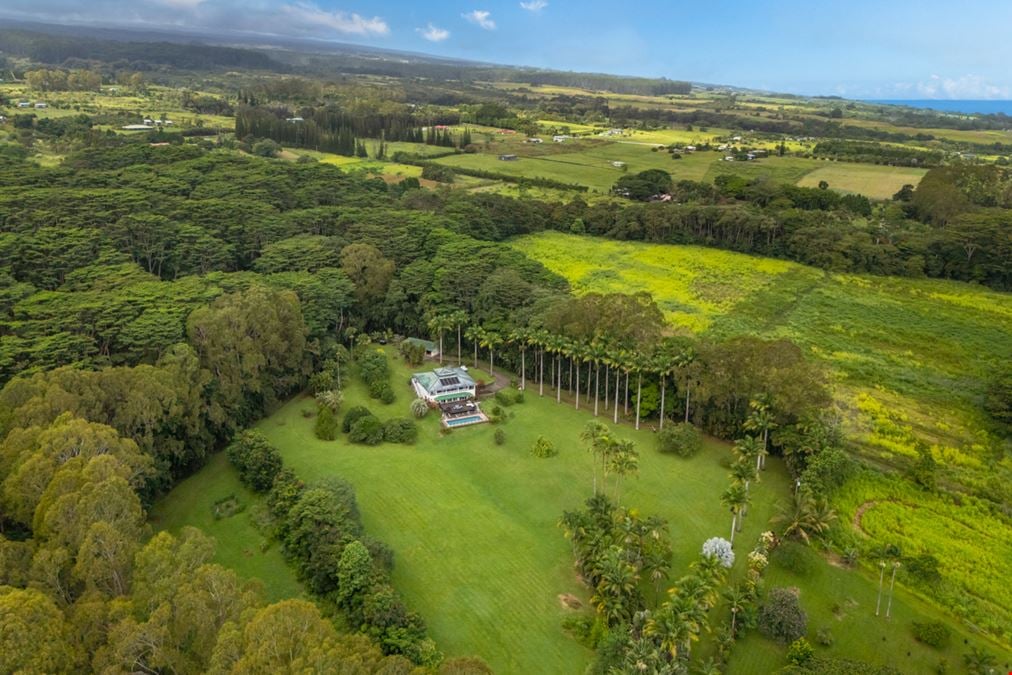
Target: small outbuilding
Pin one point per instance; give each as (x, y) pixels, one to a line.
(430, 347)
(508, 158)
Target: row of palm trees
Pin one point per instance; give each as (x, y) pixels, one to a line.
(670, 361)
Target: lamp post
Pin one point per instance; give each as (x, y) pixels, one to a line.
(892, 582)
(881, 576)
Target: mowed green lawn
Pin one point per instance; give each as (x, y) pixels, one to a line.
(240, 545)
(474, 525)
(870, 180)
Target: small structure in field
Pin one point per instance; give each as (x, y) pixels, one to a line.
(618, 165)
(294, 120)
(561, 138)
(508, 158)
(24, 104)
(41, 106)
(534, 140)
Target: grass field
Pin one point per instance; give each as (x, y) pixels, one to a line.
(474, 529)
(870, 180)
(907, 357)
(241, 546)
(474, 525)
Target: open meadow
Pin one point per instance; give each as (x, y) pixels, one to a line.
(870, 180)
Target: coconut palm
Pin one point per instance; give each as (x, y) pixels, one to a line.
(805, 518)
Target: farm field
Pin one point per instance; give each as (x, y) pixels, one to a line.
(870, 180)
(907, 357)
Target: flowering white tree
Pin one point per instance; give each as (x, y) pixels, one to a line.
(719, 548)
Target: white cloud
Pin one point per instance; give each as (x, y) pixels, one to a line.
(433, 33)
(534, 5)
(290, 18)
(480, 17)
(963, 87)
(308, 17)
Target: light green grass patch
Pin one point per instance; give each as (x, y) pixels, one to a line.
(870, 180)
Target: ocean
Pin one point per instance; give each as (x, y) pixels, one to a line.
(946, 105)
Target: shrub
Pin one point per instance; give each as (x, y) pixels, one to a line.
(924, 568)
(500, 436)
(400, 430)
(932, 633)
(543, 448)
(353, 415)
(794, 557)
(367, 430)
(825, 637)
(419, 408)
(684, 440)
(381, 389)
(326, 426)
(781, 617)
(257, 460)
(508, 397)
(800, 652)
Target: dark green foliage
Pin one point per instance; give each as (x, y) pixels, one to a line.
(500, 436)
(923, 568)
(543, 448)
(800, 652)
(438, 172)
(326, 426)
(932, 633)
(400, 430)
(781, 617)
(795, 557)
(508, 397)
(819, 665)
(684, 440)
(825, 637)
(257, 461)
(643, 185)
(353, 415)
(367, 430)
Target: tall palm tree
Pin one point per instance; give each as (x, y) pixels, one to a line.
(749, 447)
(540, 338)
(761, 419)
(805, 518)
(557, 345)
(475, 334)
(743, 472)
(624, 461)
(578, 353)
(738, 600)
(596, 354)
(491, 340)
(521, 337)
(640, 364)
(596, 436)
(684, 361)
(438, 323)
(733, 498)
(459, 318)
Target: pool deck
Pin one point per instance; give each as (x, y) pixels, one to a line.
(465, 420)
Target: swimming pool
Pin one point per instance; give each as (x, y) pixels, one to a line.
(464, 420)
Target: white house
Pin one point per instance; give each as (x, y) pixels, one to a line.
(562, 138)
(444, 385)
(24, 104)
(40, 105)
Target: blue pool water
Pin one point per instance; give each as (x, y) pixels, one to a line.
(463, 420)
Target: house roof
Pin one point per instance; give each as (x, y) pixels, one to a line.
(442, 379)
(428, 345)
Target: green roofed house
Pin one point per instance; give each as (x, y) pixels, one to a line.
(443, 385)
(431, 348)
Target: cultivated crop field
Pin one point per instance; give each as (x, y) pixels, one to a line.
(870, 180)
(907, 357)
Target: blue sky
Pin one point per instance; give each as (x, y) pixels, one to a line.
(859, 48)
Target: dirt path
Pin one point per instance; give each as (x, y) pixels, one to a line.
(860, 512)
